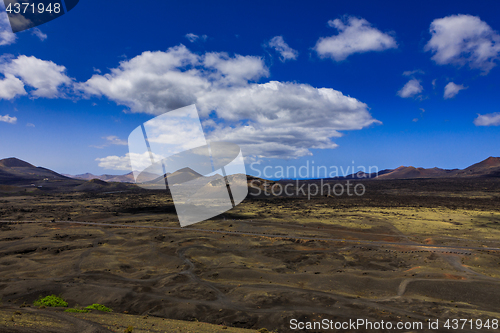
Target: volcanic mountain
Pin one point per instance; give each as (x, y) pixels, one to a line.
(14, 171)
(177, 177)
(490, 167)
(408, 172)
(127, 178)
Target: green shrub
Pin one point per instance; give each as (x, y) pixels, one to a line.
(76, 310)
(99, 307)
(129, 329)
(52, 300)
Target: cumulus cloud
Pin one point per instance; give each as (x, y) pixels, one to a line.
(464, 39)
(193, 38)
(6, 35)
(237, 70)
(411, 89)
(116, 162)
(44, 76)
(7, 119)
(286, 52)
(489, 119)
(452, 89)
(141, 161)
(10, 87)
(356, 35)
(272, 119)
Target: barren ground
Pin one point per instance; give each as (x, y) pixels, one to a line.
(405, 251)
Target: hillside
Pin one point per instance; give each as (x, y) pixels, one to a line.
(404, 172)
(126, 178)
(490, 167)
(14, 171)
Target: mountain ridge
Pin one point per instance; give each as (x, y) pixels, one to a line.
(14, 171)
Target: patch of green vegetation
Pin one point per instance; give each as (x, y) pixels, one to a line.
(76, 310)
(52, 301)
(99, 307)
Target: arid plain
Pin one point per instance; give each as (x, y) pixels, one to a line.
(407, 250)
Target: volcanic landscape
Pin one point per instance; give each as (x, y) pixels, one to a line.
(418, 245)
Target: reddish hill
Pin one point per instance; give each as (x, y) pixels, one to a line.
(490, 167)
(409, 172)
(127, 178)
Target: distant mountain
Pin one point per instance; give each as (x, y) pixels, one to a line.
(490, 167)
(178, 177)
(100, 185)
(127, 178)
(15, 163)
(14, 171)
(18, 173)
(404, 172)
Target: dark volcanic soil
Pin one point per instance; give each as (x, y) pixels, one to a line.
(266, 261)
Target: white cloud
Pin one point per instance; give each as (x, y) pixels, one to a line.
(464, 39)
(30, 125)
(37, 32)
(6, 35)
(490, 119)
(452, 89)
(45, 76)
(273, 119)
(116, 162)
(141, 161)
(19, 22)
(7, 119)
(237, 70)
(114, 140)
(356, 35)
(411, 73)
(193, 38)
(286, 52)
(411, 89)
(111, 140)
(10, 87)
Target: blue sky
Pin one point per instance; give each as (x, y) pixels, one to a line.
(290, 82)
